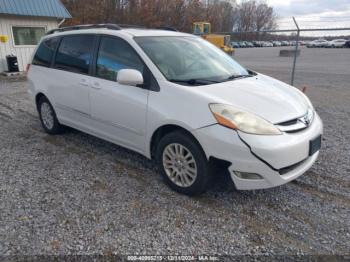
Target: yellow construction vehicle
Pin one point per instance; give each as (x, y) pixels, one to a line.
(222, 41)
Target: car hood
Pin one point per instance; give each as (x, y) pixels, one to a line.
(261, 95)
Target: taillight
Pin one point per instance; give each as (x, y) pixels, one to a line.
(27, 68)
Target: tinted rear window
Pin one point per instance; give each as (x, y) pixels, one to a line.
(75, 53)
(45, 52)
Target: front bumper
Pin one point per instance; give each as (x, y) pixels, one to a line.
(277, 159)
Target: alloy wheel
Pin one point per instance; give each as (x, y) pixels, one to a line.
(179, 165)
(47, 115)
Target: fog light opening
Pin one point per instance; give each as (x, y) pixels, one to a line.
(250, 176)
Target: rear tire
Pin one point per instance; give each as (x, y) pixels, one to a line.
(183, 164)
(48, 117)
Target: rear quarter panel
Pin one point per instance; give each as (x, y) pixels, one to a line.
(39, 79)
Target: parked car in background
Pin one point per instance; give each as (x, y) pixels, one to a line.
(276, 43)
(242, 44)
(285, 43)
(176, 99)
(235, 45)
(257, 43)
(336, 43)
(347, 44)
(318, 43)
(249, 44)
(267, 44)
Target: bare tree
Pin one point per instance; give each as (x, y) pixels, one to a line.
(264, 17)
(223, 14)
(254, 15)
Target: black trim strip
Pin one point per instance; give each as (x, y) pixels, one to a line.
(94, 56)
(53, 59)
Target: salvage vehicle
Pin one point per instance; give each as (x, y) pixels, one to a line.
(337, 43)
(242, 44)
(318, 43)
(276, 43)
(235, 44)
(177, 99)
(249, 44)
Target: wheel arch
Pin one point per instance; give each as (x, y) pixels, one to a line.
(164, 130)
(38, 96)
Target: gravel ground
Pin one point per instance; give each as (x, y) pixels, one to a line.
(76, 194)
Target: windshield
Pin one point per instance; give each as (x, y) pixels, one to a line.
(190, 59)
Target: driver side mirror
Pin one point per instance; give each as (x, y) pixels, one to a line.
(130, 77)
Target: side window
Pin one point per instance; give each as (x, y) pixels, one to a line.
(45, 52)
(115, 54)
(75, 53)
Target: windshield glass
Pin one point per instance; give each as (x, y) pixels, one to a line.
(190, 59)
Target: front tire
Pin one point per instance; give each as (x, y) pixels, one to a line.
(183, 164)
(48, 117)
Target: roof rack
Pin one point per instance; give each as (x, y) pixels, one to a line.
(167, 28)
(131, 26)
(106, 26)
(80, 27)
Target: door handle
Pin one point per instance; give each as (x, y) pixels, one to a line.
(84, 82)
(96, 86)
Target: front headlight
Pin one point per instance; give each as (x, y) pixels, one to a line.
(230, 117)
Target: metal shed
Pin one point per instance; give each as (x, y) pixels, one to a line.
(23, 23)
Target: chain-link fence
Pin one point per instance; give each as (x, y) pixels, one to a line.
(307, 49)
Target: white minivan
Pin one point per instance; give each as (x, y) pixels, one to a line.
(177, 99)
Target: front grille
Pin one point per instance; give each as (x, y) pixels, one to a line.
(289, 123)
(297, 124)
(292, 126)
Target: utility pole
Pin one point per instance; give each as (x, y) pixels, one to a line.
(296, 50)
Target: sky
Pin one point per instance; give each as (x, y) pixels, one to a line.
(313, 14)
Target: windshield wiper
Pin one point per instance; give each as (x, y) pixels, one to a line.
(233, 77)
(193, 82)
